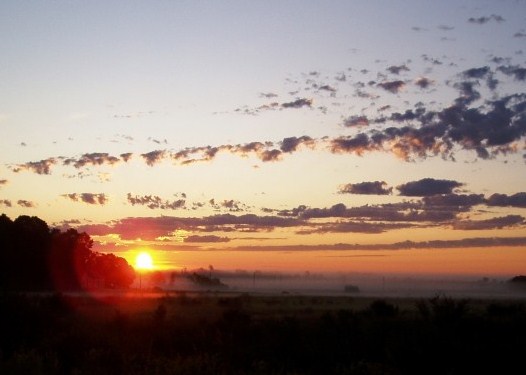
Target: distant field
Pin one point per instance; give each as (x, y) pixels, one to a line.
(233, 333)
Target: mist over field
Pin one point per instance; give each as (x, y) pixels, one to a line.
(344, 284)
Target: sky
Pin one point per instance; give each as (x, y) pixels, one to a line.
(334, 136)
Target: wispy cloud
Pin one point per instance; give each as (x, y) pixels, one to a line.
(488, 224)
(206, 239)
(485, 19)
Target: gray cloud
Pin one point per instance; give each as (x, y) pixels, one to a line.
(353, 121)
(515, 71)
(94, 158)
(206, 239)
(25, 203)
(493, 223)
(291, 144)
(427, 186)
(485, 19)
(126, 156)
(392, 86)
(6, 202)
(367, 188)
(353, 227)
(150, 228)
(504, 200)
(396, 69)
(155, 202)
(460, 202)
(38, 167)
(89, 198)
(478, 242)
(423, 82)
(298, 103)
(153, 157)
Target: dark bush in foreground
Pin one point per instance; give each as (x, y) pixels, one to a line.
(74, 335)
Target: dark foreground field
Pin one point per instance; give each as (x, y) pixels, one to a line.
(241, 334)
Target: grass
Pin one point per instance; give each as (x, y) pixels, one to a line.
(241, 334)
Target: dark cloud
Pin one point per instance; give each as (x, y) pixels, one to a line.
(357, 144)
(478, 242)
(3, 182)
(485, 19)
(38, 167)
(6, 202)
(291, 144)
(394, 212)
(153, 157)
(230, 205)
(478, 73)
(468, 93)
(367, 188)
(126, 156)
(88, 198)
(392, 86)
(270, 155)
(396, 69)
(488, 224)
(155, 202)
(520, 34)
(489, 128)
(94, 158)
(206, 239)
(352, 121)
(461, 202)
(353, 227)
(298, 103)
(150, 228)
(328, 88)
(427, 186)
(26, 204)
(503, 200)
(423, 82)
(516, 71)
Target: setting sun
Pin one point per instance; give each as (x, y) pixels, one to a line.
(144, 261)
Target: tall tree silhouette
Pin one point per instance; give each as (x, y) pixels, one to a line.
(33, 257)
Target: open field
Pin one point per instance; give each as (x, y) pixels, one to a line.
(228, 333)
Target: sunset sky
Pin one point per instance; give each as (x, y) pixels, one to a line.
(357, 136)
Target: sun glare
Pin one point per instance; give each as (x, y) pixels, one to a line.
(144, 261)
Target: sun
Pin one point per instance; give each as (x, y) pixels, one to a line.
(144, 261)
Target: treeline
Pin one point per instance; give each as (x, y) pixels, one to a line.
(34, 257)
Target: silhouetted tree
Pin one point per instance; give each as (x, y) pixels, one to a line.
(33, 257)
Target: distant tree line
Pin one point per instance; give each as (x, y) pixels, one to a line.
(35, 257)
